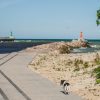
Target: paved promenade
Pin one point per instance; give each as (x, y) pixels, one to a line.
(18, 82)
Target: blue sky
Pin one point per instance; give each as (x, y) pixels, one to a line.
(49, 19)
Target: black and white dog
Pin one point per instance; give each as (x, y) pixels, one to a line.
(65, 85)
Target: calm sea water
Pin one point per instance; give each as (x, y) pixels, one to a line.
(21, 44)
(42, 40)
(94, 42)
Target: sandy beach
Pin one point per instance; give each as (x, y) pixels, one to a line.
(17, 79)
(76, 68)
(46, 42)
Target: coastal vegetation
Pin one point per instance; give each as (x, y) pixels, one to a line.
(96, 71)
(97, 60)
(82, 70)
(64, 49)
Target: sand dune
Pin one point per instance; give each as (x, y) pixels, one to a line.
(56, 66)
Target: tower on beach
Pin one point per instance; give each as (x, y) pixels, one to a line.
(81, 38)
(11, 35)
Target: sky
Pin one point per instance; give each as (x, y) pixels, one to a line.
(49, 19)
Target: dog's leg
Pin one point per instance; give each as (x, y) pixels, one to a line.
(66, 90)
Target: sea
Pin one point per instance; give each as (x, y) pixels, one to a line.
(20, 44)
(95, 43)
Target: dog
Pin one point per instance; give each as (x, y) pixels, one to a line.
(65, 85)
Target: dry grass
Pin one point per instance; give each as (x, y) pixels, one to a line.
(64, 49)
(78, 69)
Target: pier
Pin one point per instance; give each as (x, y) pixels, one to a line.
(7, 39)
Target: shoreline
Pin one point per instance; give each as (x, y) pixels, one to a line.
(54, 66)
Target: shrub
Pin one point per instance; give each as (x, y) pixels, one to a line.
(98, 81)
(96, 71)
(86, 65)
(69, 62)
(81, 61)
(77, 68)
(64, 49)
(97, 62)
(76, 64)
(98, 75)
(97, 59)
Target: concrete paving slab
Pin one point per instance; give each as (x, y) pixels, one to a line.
(32, 84)
(9, 90)
(1, 98)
